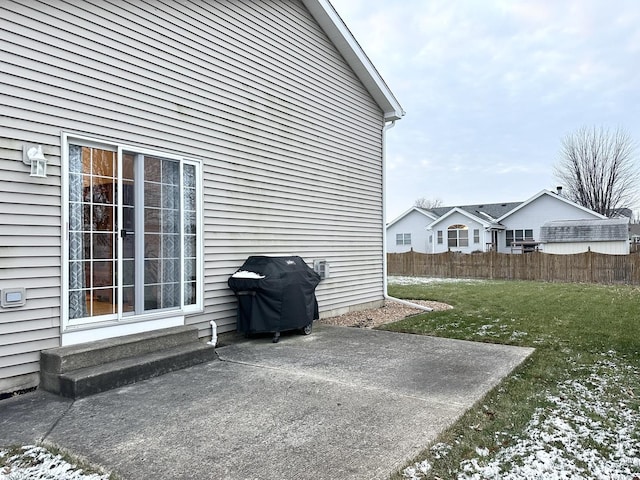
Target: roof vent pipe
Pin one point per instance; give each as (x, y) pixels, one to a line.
(559, 189)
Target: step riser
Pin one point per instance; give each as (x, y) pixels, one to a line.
(110, 379)
(50, 382)
(76, 371)
(65, 359)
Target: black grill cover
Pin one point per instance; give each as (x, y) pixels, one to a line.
(283, 300)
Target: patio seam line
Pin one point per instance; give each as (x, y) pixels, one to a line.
(364, 387)
(55, 424)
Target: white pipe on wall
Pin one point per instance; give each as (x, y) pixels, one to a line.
(384, 224)
(214, 334)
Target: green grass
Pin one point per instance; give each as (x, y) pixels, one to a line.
(573, 328)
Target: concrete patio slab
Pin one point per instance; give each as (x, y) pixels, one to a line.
(341, 403)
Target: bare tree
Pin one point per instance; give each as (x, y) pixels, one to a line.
(427, 203)
(598, 169)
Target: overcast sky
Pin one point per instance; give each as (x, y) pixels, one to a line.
(490, 87)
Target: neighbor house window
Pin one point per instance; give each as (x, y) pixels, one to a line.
(476, 235)
(439, 236)
(403, 239)
(518, 236)
(458, 236)
(134, 232)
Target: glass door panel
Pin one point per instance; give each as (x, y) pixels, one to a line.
(189, 200)
(132, 234)
(92, 232)
(162, 267)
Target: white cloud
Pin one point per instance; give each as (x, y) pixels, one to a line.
(490, 87)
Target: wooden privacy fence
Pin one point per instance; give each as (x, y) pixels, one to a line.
(588, 267)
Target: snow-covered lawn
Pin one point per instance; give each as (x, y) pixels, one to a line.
(395, 280)
(588, 428)
(37, 463)
(586, 433)
(583, 434)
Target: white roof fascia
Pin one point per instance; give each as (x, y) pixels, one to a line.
(552, 195)
(470, 216)
(429, 215)
(337, 31)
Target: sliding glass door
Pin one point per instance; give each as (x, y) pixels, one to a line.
(133, 234)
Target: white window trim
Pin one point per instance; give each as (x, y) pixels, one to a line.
(458, 237)
(148, 321)
(403, 239)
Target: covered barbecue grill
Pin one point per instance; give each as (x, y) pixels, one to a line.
(275, 294)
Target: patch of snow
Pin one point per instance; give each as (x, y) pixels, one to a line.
(583, 435)
(417, 471)
(482, 452)
(515, 335)
(440, 450)
(247, 274)
(38, 463)
(484, 330)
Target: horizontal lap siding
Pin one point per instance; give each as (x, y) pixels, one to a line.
(290, 139)
(29, 258)
(318, 194)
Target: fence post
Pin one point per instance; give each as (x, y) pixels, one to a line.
(491, 272)
(413, 263)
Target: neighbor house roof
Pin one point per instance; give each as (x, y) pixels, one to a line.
(345, 42)
(477, 218)
(487, 211)
(553, 195)
(491, 214)
(597, 230)
(620, 212)
(421, 211)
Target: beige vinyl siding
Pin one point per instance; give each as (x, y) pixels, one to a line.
(29, 258)
(290, 139)
(333, 211)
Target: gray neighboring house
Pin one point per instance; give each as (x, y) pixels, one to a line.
(610, 236)
(148, 148)
(509, 227)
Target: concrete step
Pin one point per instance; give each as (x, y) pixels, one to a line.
(88, 381)
(79, 370)
(72, 357)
